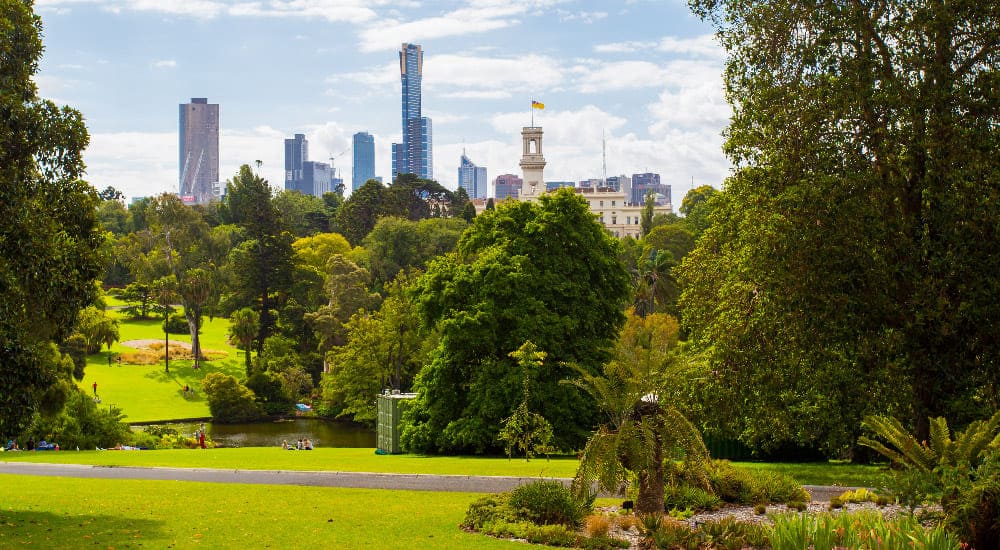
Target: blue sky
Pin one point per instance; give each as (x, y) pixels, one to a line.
(643, 73)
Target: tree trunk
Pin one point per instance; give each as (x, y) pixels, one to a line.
(193, 317)
(650, 497)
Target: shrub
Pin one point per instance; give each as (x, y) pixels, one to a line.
(798, 505)
(836, 503)
(760, 509)
(971, 503)
(547, 503)
(486, 510)
(745, 486)
(176, 324)
(270, 392)
(731, 533)
(669, 534)
(81, 424)
(597, 525)
(228, 400)
(686, 496)
(628, 523)
(858, 495)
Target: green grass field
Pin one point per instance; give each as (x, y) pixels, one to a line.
(365, 460)
(84, 513)
(146, 393)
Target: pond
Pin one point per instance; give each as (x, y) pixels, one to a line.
(322, 433)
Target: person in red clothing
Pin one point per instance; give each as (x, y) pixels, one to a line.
(201, 437)
(95, 389)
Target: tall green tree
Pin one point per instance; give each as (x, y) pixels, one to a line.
(853, 261)
(242, 330)
(49, 233)
(545, 272)
(261, 265)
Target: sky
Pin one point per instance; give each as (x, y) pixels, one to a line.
(643, 76)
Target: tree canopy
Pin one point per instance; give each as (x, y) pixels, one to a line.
(853, 260)
(49, 233)
(545, 272)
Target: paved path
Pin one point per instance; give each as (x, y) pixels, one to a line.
(357, 480)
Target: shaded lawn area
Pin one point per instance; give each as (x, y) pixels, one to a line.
(87, 513)
(837, 473)
(146, 393)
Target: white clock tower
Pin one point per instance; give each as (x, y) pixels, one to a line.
(532, 164)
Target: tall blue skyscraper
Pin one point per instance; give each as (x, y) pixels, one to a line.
(472, 178)
(415, 154)
(199, 151)
(364, 159)
(296, 154)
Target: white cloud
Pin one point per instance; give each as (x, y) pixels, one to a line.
(481, 17)
(350, 11)
(477, 94)
(588, 17)
(624, 47)
(529, 72)
(165, 64)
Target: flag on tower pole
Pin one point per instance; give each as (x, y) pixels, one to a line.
(537, 104)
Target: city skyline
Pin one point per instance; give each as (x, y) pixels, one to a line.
(648, 74)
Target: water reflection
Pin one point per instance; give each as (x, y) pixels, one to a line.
(323, 433)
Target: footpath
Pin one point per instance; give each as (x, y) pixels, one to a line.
(356, 480)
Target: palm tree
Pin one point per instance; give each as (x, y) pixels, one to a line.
(243, 326)
(643, 430)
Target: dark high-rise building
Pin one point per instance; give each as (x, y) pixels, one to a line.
(472, 178)
(364, 159)
(296, 155)
(316, 178)
(649, 182)
(198, 130)
(507, 186)
(414, 155)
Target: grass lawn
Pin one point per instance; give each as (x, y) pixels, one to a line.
(826, 473)
(146, 393)
(85, 513)
(365, 460)
(322, 459)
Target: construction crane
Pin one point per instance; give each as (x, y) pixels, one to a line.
(335, 157)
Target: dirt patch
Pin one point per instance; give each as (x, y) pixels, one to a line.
(151, 343)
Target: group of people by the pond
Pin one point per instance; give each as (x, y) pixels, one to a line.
(300, 445)
(41, 446)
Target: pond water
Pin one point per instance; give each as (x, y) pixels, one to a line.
(322, 433)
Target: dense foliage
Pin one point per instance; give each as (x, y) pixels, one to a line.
(49, 234)
(853, 262)
(547, 272)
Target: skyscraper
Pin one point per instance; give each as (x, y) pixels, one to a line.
(649, 182)
(296, 155)
(472, 178)
(507, 186)
(415, 154)
(364, 159)
(198, 130)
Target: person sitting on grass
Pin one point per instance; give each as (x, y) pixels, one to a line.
(307, 445)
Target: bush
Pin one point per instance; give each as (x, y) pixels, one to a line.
(731, 533)
(270, 392)
(684, 497)
(176, 324)
(743, 486)
(547, 503)
(971, 503)
(597, 525)
(486, 510)
(228, 400)
(81, 424)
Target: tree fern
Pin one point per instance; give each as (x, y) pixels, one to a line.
(903, 449)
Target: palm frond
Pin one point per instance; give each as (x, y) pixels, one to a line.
(909, 452)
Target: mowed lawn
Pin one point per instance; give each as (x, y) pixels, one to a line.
(321, 459)
(146, 393)
(87, 513)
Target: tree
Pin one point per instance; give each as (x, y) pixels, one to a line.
(139, 297)
(697, 208)
(646, 218)
(396, 244)
(644, 428)
(547, 272)
(383, 349)
(97, 328)
(347, 291)
(194, 290)
(357, 215)
(228, 400)
(242, 330)
(301, 214)
(853, 261)
(526, 430)
(262, 264)
(49, 234)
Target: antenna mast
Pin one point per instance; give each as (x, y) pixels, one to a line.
(604, 157)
